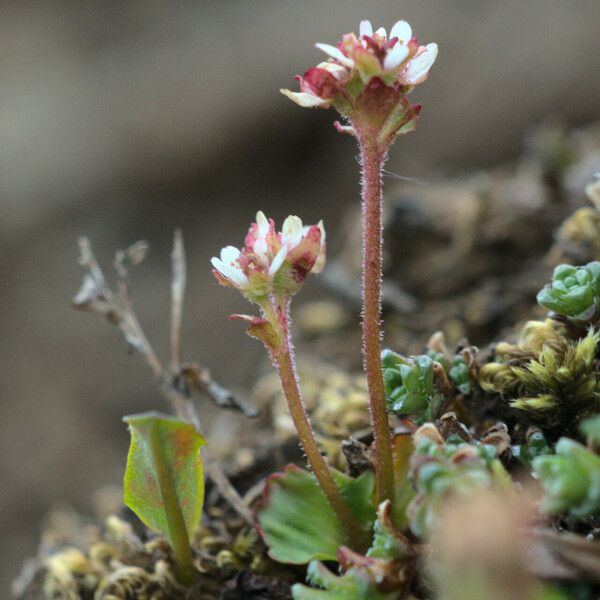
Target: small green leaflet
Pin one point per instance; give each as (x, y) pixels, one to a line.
(164, 483)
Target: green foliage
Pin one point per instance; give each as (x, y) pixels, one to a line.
(459, 375)
(409, 385)
(356, 584)
(570, 479)
(443, 471)
(557, 388)
(535, 445)
(164, 482)
(591, 430)
(365, 576)
(298, 523)
(574, 291)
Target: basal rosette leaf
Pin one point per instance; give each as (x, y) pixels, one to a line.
(298, 523)
(164, 474)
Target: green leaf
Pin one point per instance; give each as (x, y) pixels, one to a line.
(296, 520)
(356, 584)
(164, 482)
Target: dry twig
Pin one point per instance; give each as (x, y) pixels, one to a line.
(96, 296)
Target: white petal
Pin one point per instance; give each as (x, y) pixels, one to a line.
(305, 100)
(395, 57)
(320, 262)
(322, 230)
(263, 224)
(336, 70)
(337, 54)
(419, 66)
(260, 249)
(365, 29)
(229, 254)
(277, 261)
(402, 30)
(291, 233)
(381, 32)
(235, 275)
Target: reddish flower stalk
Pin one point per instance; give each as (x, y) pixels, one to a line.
(284, 361)
(269, 270)
(367, 79)
(372, 160)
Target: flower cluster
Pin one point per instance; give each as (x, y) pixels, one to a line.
(574, 292)
(571, 479)
(271, 263)
(366, 78)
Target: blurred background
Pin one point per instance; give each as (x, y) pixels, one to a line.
(124, 120)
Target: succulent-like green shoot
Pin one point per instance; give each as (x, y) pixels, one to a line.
(356, 584)
(574, 291)
(384, 572)
(591, 430)
(164, 482)
(459, 374)
(570, 479)
(409, 385)
(535, 445)
(441, 471)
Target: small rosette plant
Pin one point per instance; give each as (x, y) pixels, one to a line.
(570, 479)
(367, 77)
(574, 292)
(409, 386)
(442, 470)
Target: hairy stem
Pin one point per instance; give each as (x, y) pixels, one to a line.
(372, 160)
(178, 534)
(285, 363)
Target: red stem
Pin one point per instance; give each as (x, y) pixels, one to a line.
(372, 160)
(285, 363)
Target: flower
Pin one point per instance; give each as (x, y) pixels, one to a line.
(366, 78)
(271, 262)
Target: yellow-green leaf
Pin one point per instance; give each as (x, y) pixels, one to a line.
(164, 482)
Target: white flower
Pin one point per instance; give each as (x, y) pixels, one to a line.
(365, 28)
(277, 261)
(320, 262)
(291, 232)
(337, 54)
(228, 266)
(304, 99)
(395, 57)
(401, 30)
(260, 246)
(419, 66)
